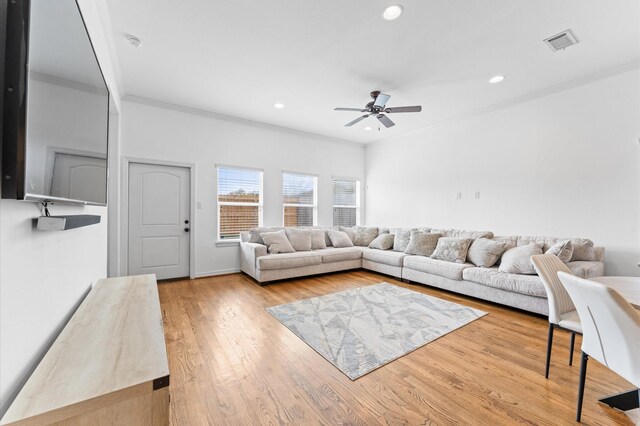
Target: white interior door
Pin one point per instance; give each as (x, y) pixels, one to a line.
(159, 220)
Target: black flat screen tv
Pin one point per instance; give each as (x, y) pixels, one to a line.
(55, 116)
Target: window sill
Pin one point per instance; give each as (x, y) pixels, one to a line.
(227, 243)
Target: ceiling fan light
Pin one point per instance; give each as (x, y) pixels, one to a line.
(496, 79)
(367, 128)
(278, 105)
(392, 12)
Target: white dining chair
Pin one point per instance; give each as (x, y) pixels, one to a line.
(562, 313)
(611, 334)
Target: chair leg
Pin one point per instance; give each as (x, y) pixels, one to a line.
(583, 376)
(572, 344)
(549, 344)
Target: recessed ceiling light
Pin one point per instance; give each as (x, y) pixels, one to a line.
(278, 105)
(496, 79)
(367, 128)
(133, 40)
(392, 12)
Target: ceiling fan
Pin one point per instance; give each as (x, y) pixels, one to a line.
(378, 107)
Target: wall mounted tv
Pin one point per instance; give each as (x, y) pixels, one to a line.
(55, 115)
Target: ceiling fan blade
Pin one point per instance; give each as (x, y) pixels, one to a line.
(357, 120)
(350, 109)
(385, 120)
(416, 108)
(381, 100)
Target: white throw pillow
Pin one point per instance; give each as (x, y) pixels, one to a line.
(485, 253)
(300, 239)
(452, 249)
(277, 242)
(518, 259)
(562, 249)
(318, 240)
(382, 242)
(339, 239)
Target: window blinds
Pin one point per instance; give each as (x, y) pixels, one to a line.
(345, 202)
(299, 199)
(239, 201)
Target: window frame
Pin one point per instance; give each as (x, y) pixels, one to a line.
(259, 204)
(315, 196)
(358, 194)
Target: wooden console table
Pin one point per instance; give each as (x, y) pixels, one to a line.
(108, 365)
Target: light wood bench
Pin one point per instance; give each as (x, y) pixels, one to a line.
(108, 365)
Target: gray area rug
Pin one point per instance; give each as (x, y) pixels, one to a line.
(365, 328)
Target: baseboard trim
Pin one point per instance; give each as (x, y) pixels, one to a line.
(214, 273)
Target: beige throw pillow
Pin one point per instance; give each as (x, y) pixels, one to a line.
(485, 252)
(401, 239)
(339, 239)
(562, 249)
(300, 239)
(318, 239)
(422, 243)
(364, 236)
(583, 249)
(518, 259)
(277, 242)
(452, 249)
(382, 242)
(254, 233)
(351, 232)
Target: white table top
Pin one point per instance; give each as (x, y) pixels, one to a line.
(628, 287)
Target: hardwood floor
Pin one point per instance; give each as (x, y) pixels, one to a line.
(233, 363)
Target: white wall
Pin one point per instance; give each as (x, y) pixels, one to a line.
(567, 164)
(155, 133)
(45, 275)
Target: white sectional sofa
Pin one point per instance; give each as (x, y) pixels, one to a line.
(517, 290)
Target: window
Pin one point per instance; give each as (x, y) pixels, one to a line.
(300, 203)
(239, 201)
(346, 202)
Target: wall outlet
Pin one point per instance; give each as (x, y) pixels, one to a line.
(458, 195)
(476, 196)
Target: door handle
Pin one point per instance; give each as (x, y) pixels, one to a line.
(186, 229)
(186, 222)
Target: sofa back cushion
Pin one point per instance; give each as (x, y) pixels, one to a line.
(318, 239)
(422, 243)
(254, 233)
(517, 260)
(299, 238)
(401, 238)
(462, 233)
(452, 249)
(350, 231)
(364, 235)
(583, 248)
(277, 242)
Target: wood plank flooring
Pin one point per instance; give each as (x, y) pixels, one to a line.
(234, 364)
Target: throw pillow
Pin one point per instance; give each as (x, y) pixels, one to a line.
(364, 236)
(277, 242)
(401, 239)
(562, 249)
(339, 239)
(300, 239)
(452, 249)
(422, 243)
(583, 249)
(349, 231)
(485, 252)
(254, 233)
(382, 242)
(518, 259)
(318, 239)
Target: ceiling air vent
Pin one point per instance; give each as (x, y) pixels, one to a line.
(561, 41)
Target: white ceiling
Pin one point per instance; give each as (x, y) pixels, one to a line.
(239, 57)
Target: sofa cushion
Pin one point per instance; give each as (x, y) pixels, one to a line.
(485, 253)
(462, 233)
(339, 239)
(586, 269)
(277, 242)
(452, 249)
(517, 260)
(387, 257)
(562, 249)
(350, 231)
(516, 283)
(401, 238)
(318, 239)
(441, 268)
(422, 243)
(382, 242)
(300, 239)
(364, 236)
(582, 250)
(289, 260)
(333, 254)
(254, 233)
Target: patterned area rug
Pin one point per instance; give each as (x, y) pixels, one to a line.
(365, 328)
